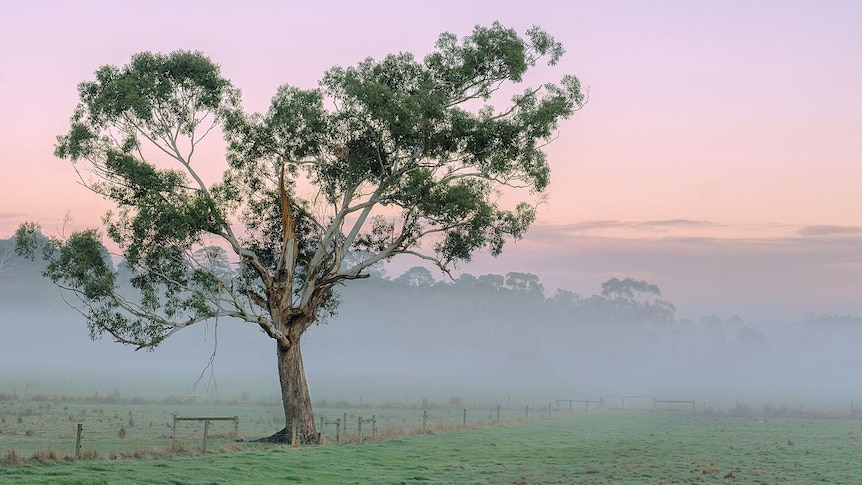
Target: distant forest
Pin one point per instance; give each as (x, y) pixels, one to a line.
(512, 323)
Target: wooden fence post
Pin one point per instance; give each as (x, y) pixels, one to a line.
(174, 428)
(424, 420)
(235, 427)
(373, 426)
(206, 434)
(322, 440)
(78, 441)
(464, 421)
(338, 431)
(359, 432)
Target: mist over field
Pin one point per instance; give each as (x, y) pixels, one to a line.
(482, 339)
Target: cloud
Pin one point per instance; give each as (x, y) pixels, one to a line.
(827, 230)
(680, 230)
(766, 272)
(657, 225)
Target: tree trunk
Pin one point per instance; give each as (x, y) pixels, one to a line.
(294, 396)
(294, 393)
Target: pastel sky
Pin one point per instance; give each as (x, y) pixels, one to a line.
(719, 156)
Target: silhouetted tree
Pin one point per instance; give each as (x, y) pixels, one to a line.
(416, 276)
(525, 283)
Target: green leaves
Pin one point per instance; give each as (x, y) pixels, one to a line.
(388, 157)
(157, 96)
(156, 88)
(82, 263)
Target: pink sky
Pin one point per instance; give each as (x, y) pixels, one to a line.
(719, 156)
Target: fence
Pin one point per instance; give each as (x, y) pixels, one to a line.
(126, 430)
(206, 421)
(352, 428)
(586, 403)
(630, 402)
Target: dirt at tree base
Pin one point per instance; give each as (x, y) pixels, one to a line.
(281, 437)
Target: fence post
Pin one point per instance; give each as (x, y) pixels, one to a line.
(359, 432)
(498, 413)
(373, 427)
(174, 428)
(235, 426)
(78, 441)
(206, 434)
(424, 420)
(338, 431)
(322, 440)
(464, 422)
(344, 420)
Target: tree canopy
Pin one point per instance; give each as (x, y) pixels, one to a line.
(399, 151)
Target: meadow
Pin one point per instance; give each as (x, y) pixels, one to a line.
(124, 426)
(601, 447)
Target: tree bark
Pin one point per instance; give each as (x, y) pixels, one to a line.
(294, 393)
(294, 396)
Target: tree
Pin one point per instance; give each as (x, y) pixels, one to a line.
(491, 281)
(629, 289)
(381, 158)
(525, 283)
(637, 300)
(417, 276)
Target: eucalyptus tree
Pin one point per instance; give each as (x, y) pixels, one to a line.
(390, 157)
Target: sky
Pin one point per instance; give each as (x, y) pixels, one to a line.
(719, 155)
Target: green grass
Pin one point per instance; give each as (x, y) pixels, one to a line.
(600, 448)
(29, 426)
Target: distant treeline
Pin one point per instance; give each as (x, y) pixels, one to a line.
(625, 301)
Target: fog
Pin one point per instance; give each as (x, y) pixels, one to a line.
(491, 339)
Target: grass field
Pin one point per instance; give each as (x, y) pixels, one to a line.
(595, 448)
(31, 426)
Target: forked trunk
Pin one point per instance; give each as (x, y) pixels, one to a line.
(298, 415)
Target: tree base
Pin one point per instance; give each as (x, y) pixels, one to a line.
(282, 437)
